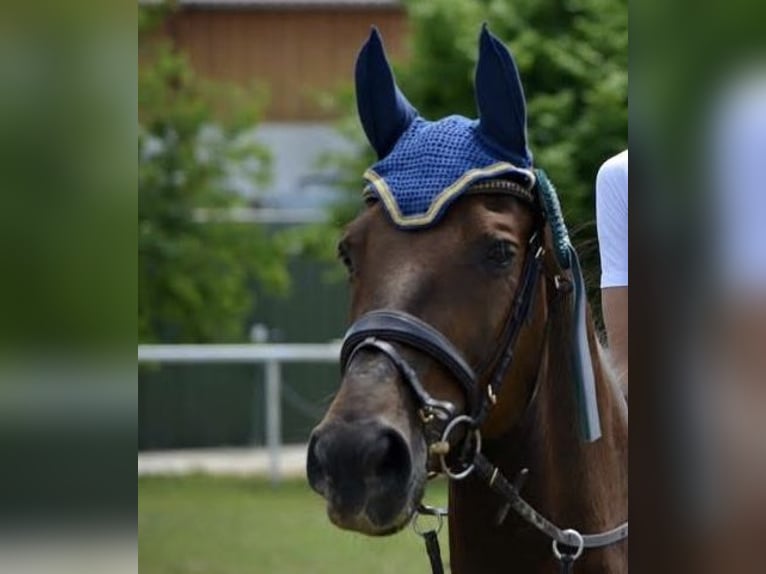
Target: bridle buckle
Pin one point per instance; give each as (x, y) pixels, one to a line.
(426, 415)
(439, 448)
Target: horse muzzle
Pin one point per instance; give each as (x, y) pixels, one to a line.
(365, 472)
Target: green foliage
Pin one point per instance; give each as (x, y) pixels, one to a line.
(227, 525)
(197, 270)
(319, 241)
(573, 60)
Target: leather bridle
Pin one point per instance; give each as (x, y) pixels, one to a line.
(380, 330)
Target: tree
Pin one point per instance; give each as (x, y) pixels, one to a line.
(573, 60)
(196, 271)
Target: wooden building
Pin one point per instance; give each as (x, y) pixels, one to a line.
(295, 49)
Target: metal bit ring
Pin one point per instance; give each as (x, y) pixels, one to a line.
(452, 425)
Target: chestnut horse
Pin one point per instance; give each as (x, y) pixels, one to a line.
(471, 351)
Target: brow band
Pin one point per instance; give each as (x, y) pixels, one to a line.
(503, 186)
(499, 186)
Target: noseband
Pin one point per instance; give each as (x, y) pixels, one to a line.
(379, 330)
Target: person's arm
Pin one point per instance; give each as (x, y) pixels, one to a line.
(612, 227)
(614, 305)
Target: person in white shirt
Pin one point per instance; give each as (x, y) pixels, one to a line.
(612, 227)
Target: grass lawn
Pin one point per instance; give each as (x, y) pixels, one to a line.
(207, 525)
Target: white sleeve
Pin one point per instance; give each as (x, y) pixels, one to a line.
(612, 220)
(737, 154)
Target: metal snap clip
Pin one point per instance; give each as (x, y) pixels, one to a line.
(419, 529)
(579, 544)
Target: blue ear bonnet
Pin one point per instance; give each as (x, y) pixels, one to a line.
(425, 165)
(431, 164)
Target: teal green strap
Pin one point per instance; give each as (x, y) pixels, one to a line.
(552, 208)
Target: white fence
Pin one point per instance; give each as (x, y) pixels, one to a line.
(271, 355)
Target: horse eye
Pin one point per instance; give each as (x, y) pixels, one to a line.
(345, 258)
(501, 253)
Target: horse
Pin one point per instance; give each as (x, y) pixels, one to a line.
(471, 350)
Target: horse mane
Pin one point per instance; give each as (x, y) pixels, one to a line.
(557, 438)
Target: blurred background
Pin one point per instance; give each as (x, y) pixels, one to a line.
(250, 163)
(222, 261)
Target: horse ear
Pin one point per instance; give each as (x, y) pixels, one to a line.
(383, 110)
(500, 101)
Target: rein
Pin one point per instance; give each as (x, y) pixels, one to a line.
(567, 537)
(378, 329)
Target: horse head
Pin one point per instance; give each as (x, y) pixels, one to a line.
(443, 265)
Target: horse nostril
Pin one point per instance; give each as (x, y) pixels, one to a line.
(315, 465)
(388, 459)
(360, 467)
